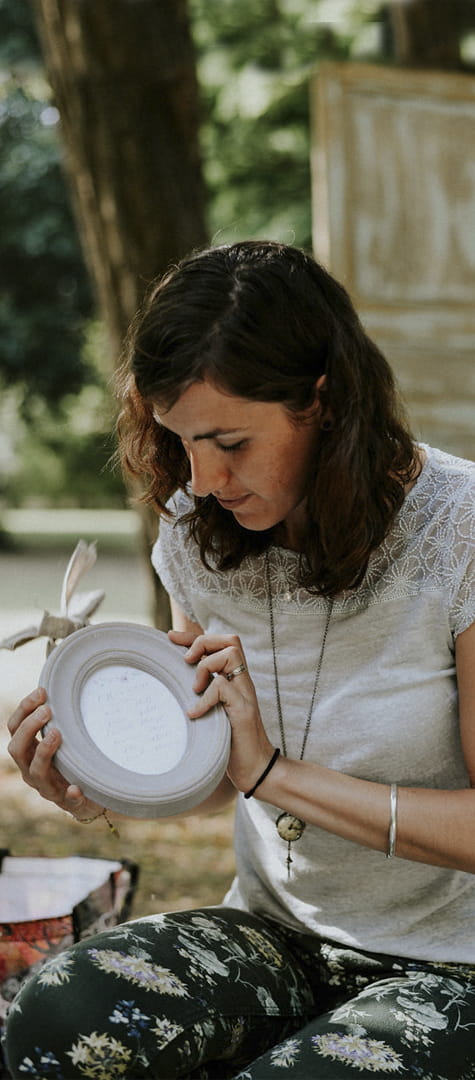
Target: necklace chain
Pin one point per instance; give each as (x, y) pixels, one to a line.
(290, 828)
(276, 674)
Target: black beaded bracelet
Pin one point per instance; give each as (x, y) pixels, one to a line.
(264, 774)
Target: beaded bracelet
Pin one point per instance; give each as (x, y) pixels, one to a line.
(264, 774)
(102, 813)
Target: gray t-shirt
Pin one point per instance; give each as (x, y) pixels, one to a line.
(386, 710)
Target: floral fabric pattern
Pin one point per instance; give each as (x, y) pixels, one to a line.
(218, 993)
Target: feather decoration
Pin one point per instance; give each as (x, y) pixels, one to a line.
(75, 608)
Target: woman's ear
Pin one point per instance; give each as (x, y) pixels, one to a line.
(326, 419)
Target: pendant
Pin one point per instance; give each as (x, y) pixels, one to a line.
(289, 828)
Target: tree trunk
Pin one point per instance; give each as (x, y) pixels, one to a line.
(427, 33)
(124, 81)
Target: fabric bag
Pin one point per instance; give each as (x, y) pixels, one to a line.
(47, 904)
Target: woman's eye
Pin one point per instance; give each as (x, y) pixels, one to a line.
(234, 446)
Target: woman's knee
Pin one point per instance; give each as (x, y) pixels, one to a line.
(136, 993)
(416, 1023)
(97, 1005)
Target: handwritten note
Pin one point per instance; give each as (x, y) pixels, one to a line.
(134, 719)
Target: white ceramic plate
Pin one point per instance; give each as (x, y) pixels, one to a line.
(119, 694)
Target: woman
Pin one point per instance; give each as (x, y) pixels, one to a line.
(320, 565)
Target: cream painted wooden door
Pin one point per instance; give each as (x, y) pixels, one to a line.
(393, 185)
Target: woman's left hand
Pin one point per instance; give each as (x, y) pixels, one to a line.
(218, 680)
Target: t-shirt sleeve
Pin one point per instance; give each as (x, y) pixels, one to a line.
(460, 540)
(171, 557)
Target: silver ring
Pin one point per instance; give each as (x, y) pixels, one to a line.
(237, 671)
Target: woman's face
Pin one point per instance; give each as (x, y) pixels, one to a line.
(250, 455)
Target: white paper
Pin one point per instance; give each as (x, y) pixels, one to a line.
(133, 719)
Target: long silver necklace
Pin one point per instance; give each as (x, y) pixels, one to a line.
(289, 827)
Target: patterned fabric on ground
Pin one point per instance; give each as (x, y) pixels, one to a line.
(217, 993)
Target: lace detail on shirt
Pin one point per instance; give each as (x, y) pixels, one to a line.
(430, 546)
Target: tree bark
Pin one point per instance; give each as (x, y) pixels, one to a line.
(124, 81)
(427, 33)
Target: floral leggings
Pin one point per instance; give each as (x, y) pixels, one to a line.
(217, 993)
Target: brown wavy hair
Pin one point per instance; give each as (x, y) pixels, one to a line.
(264, 320)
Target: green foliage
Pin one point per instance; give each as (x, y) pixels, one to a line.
(45, 296)
(18, 41)
(65, 457)
(255, 62)
(58, 467)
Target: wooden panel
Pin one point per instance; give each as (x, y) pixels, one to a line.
(439, 387)
(393, 181)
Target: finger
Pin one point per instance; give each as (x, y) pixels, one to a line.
(34, 756)
(24, 742)
(25, 708)
(37, 768)
(207, 644)
(228, 662)
(218, 692)
(238, 698)
(77, 804)
(181, 637)
(50, 784)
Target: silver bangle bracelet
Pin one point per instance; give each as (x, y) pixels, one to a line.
(392, 822)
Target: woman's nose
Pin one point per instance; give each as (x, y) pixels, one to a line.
(209, 473)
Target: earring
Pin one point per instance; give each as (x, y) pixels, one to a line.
(326, 425)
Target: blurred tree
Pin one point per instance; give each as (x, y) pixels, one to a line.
(45, 295)
(429, 33)
(124, 81)
(135, 119)
(123, 78)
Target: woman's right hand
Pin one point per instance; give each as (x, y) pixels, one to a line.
(34, 756)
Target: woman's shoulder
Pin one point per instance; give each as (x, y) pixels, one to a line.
(173, 531)
(437, 529)
(446, 482)
(432, 542)
(179, 504)
(443, 463)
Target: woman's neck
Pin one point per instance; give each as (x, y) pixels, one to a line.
(290, 533)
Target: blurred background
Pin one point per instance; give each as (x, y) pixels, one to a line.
(131, 132)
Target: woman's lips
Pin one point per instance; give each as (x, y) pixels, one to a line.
(233, 504)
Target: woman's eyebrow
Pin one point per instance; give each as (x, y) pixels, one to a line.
(216, 433)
